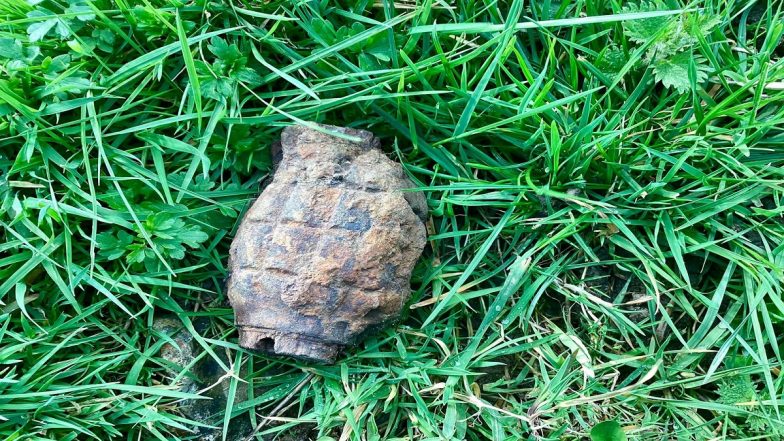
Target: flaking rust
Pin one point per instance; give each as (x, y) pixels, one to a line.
(325, 253)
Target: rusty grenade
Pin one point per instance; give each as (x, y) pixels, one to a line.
(325, 253)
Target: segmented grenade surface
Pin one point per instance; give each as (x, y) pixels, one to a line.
(326, 251)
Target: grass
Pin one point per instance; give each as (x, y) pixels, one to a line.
(605, 186)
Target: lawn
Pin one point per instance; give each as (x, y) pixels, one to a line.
(605, 182)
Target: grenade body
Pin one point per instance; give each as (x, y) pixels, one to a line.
(326, 251)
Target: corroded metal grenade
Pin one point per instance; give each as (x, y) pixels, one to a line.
(326, 251)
